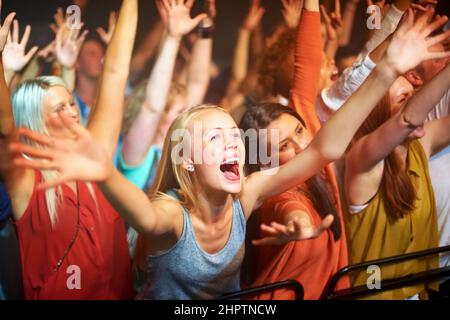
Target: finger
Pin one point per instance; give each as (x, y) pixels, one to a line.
(101, 32)
(32, 151)
(268, 229)
(438, 39)
(30, 54)
(418, 7)
(189, 4)
(438, 55)
(26, 36)
(325, 14)
(81, 39)
(280, 228)
(285, 4)
(199, 18)
(407, 22)
(423, 19)
(15, 33)
(112, 20)
(337, 9)
(36, 137)
(6, 27)
(326, 223)
(59, 17)
(434, 26)
(34, 164)
(265, 241)
(167, 5)
(54, 28)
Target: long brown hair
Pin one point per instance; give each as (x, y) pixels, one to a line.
(396, 186)
(318, 189)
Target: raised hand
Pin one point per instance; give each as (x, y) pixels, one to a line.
(411, 42)
(68, 45)
(60, 20)
(292, 10)
(77, 158)
(296, 229)
(107, 35)
(179, 20)
(14, 56)
(254, 15)
(333, 21)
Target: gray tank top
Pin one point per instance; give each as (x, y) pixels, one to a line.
(186, 271)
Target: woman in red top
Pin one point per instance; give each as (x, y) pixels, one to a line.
(308, 211)
(73, 244)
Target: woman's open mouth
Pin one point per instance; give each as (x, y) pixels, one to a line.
(230, 169)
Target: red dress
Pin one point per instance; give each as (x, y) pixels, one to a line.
(98, 264)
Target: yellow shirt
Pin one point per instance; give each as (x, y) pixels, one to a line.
(373, 234)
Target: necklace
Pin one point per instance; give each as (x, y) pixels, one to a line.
(77, 229)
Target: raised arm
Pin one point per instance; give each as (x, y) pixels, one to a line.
(335, 26)
(408, 48)
(348, 19)
(85, 158)
(106, 118)
(199, 69)
(142, 133)
(241, 52)
(6, 113)
(308, 62)
(147, 49)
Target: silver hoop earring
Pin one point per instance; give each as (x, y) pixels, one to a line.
(190, 168)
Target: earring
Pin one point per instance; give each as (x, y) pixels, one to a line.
(190, 167)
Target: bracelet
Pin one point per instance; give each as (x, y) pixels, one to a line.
(205, 32)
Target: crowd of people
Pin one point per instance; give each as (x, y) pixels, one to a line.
(191, 182)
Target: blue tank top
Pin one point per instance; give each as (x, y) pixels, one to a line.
(186, 271)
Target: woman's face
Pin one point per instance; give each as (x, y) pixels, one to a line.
(400, 91)
(58, 99)
(217, 152)
(293, 138)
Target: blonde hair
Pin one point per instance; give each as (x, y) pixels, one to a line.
(28, 110)
(172, 176)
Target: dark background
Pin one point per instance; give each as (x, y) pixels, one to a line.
(39, 14)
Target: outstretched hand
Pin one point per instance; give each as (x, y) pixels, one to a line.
(106, 35)
(411, 42)
(179, 19)
(296, 229)
(79, 157)
(255, 13)
(333, 21)
(14, 55)
(68, 46)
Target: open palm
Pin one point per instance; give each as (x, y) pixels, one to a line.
(77, 158)
(180, 22)
(296, 229)
(411, 42)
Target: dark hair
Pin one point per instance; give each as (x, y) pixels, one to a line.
(273, 60)
(318, 189)
(396, 185)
